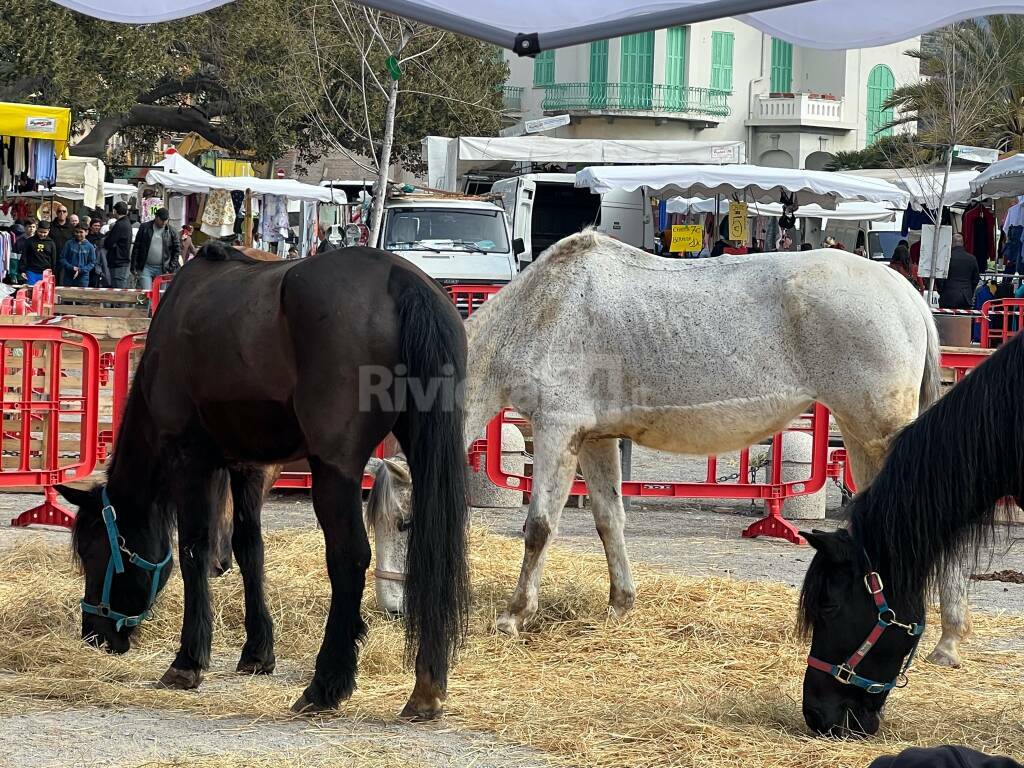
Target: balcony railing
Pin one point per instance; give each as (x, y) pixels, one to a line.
(799, 109)
(513, 98)
(635, 97)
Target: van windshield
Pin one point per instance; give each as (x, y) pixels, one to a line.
(434, 229)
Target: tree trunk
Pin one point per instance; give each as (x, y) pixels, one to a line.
(183, 119)
(383, 164)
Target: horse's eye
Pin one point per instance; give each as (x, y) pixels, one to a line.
(404, 525)
(829, 609)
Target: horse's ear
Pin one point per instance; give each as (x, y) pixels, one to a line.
(73, 495)
(832, 545)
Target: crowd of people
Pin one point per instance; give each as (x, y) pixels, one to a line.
(98, 251)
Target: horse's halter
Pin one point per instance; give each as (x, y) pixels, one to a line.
(116, 565)
(845, 673)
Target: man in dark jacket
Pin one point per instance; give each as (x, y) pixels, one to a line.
(100, 277)
(38, 254)
(118, 243)
(61, 229)
(957, 290)
(157, 250)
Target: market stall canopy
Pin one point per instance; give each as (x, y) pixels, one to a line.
(1002, 179)
(924, 185)
(843, 211)
(756, 183)
(527, 26)
(179, 175)
(78, 193)
(449, 158)
(86, 174)
(31, 121)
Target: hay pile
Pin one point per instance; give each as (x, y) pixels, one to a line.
(702, 673)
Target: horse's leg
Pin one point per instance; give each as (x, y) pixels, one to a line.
(247, 491)
(194, 491)
(956, 614)
(338, 505)
(220, 530)
(554, 467)
(602, 469)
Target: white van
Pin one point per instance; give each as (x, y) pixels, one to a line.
(545, 207)
(454, 241)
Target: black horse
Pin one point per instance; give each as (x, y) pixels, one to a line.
(250, 363)
(930, 507)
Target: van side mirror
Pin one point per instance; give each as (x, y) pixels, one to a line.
(518, 246)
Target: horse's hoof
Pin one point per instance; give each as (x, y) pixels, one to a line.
(620, 605)
(303, 706)
(418, 713)
(507, 625)
(943, 658)
(181, 679)
(256, 667)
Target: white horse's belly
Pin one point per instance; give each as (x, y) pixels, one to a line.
(705, 428)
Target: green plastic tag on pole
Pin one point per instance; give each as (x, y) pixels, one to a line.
(393, 68)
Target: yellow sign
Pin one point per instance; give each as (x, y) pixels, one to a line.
(686, 238)
(738, 222)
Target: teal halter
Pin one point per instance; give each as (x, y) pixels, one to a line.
(116, 565)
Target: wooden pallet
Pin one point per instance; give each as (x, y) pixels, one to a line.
(102, 302)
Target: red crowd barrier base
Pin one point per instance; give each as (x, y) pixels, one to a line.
(50, 512)
(775, 525)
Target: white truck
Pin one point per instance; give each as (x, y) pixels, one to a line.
(455, 241)
(545, 207)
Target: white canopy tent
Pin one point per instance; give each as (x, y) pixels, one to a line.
(179, 175)
(448, 159)
(924, 185)
(528, 26)
(1002, 179)
(843, 212)
(756, 183)
(78, 193)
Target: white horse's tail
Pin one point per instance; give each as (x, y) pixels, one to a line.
(931, 380)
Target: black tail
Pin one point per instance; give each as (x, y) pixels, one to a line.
(433, 343)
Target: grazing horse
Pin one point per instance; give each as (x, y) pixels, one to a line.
(933, 502)
(250, 363)
(599, 341)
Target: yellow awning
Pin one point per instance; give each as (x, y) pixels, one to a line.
(31, 121)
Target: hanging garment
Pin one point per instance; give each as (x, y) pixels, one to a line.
(274, 218)
(1012, 249)
(1014, 216)
(979, 226)
(148, 208)
(913, 219)
(176, 209)
(219, 215)
(45, 170)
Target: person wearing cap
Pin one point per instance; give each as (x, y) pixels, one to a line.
(100, 277)
(38, 255)
(157, 250)
(77, 260)
(118, 242)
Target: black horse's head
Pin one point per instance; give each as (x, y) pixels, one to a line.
(110, 619)
(839, 611)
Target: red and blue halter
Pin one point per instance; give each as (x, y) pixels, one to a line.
(845, 673)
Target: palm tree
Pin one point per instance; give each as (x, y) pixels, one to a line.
(972, 90)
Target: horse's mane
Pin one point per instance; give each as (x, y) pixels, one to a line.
(934, 502)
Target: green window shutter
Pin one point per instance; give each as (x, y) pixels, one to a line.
(721, 60)
(598, 93)
(881, 84)
(675, 55)
(782, 66)
(544, 68)
(636, 71)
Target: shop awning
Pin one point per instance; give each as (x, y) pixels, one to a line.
(85, 173)
(1002, 179)
(30, 121)
(924, 185)
(751, 182)
(527, 26)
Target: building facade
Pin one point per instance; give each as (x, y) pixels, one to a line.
(794, 107)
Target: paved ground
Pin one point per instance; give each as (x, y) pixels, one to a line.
(685, 538)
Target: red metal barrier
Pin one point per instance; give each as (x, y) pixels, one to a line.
(1000, 321)
(156, 292)
(773, 492)
(49, 399)
(469, 298)
(41, 301)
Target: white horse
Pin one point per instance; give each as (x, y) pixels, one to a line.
(598, 341)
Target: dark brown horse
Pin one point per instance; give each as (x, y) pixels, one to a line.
(251, 363)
